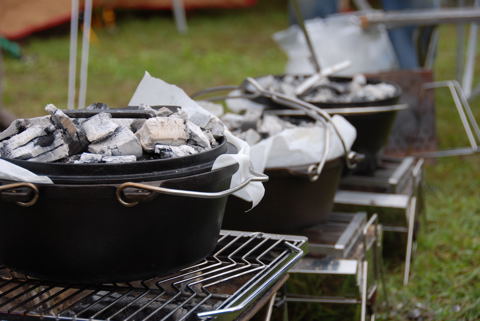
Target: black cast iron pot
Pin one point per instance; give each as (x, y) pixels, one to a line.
(112, 232)
(291, 203)
(83, 233)
(144, 170)
(373, 120)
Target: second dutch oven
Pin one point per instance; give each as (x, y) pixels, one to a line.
(291, 203)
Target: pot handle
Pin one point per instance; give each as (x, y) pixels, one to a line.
(220, 89)
(32, 187)
(177, 192)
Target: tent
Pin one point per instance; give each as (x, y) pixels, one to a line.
(19, 19)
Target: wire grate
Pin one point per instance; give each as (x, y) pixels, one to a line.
(243, 267)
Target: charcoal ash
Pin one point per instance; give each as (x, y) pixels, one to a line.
(163, 130)
(251, 136)
(253, 127)
(197, 135)
(213, 108)
(122, 142)
(215, 127)
(127, 122)
(171, 151)
(329, 91)
(89, 158)
(102, 138)
(99, 127)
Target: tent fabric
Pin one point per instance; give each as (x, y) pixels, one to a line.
(19, 19)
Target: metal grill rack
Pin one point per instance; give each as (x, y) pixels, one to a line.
(345, 264)
(395, 193)
(244, 267)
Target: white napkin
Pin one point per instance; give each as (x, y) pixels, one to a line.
(12, 172)
(154, 91)
(301, 146)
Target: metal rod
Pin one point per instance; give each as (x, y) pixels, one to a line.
(85, 53)
(179, 14)
(268, 316)
(411, 224)
(468, 110)
(364, 290)
(460, 61)
(420, 17)
(257, 290)
(301, 23)
(72, 64)
(467, 80)
(463, 117)
(432, 49)
(467, 118)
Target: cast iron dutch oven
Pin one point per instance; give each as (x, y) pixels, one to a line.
(372, 119)
(143, 170)
(96, 233)
(291, 203)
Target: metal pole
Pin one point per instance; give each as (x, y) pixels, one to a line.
(85, 52)
(1, 79)
(470, 64)
(460, 45)
(420, 17)
(411, 211)
(179, 14)
(301, 23)
(72, 64)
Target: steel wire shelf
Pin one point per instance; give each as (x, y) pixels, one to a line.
(243, 267)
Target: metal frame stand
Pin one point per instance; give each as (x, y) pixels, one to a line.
(465, 65)
(352, 256)
(470, 125)
(397, 205)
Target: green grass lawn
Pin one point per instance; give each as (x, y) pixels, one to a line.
(223, 47)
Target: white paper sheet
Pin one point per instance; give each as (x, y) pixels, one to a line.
(12, 172)
(296, 146)
(301, 145)
(154, 91)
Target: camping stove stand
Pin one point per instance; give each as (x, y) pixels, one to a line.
(241, 276)
(394, 192)
(347, 248)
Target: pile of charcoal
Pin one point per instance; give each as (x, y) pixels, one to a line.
(328, 91)
(103, 138)
(255, 125)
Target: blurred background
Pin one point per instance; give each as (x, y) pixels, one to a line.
(226, 41)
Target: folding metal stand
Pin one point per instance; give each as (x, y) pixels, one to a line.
(394, 192)
(470, 124)
(346, 249)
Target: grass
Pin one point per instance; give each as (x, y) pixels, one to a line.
(223, 47)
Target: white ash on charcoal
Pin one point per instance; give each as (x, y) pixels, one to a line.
(122, 142)
(73, 136)
(197, 135)
(251, 136)
(162, 130)
(20, 125)
(171, 151)
(328, 91)
(99, 127)
(213, 108)
(102, 138)
(89, 158)
(253, 127)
